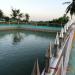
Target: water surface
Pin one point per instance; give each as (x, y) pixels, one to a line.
(19, 50)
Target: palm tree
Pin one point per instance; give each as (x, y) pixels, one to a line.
(20, 15)
(16, 15)
(27, 17)
(71, 8)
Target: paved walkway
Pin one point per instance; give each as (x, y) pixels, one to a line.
(71, 67)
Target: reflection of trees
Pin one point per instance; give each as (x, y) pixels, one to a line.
(17, 37)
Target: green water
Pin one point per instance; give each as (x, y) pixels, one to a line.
(71, 68)
(19, 50)
(29, 26)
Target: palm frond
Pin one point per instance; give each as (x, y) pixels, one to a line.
(68, 9)
(66, 2)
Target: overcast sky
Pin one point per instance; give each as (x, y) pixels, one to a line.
(38, 9)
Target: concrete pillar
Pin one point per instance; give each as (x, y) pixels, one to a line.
(56, 46)
(36, 70)
(65, 30)
(48, 60)
(61, 38)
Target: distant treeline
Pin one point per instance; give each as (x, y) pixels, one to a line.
(17, 17)
(61, 21)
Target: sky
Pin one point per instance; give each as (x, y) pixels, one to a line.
(37, 9)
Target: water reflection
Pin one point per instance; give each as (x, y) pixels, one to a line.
(19, 50)
(17, 37)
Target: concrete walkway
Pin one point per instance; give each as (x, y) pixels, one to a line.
(71, 67)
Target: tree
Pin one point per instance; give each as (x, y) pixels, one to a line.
(16, 15)
(71, 8)
(6, 18)
(59, 21)
(27, 17)
(20, 15)
(1, 14)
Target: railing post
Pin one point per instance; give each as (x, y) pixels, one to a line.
(61, 38)
(36, 70)
(56, 46)
(48, 57)
(62, 68)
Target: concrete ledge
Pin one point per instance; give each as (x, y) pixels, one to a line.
(28, 29)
